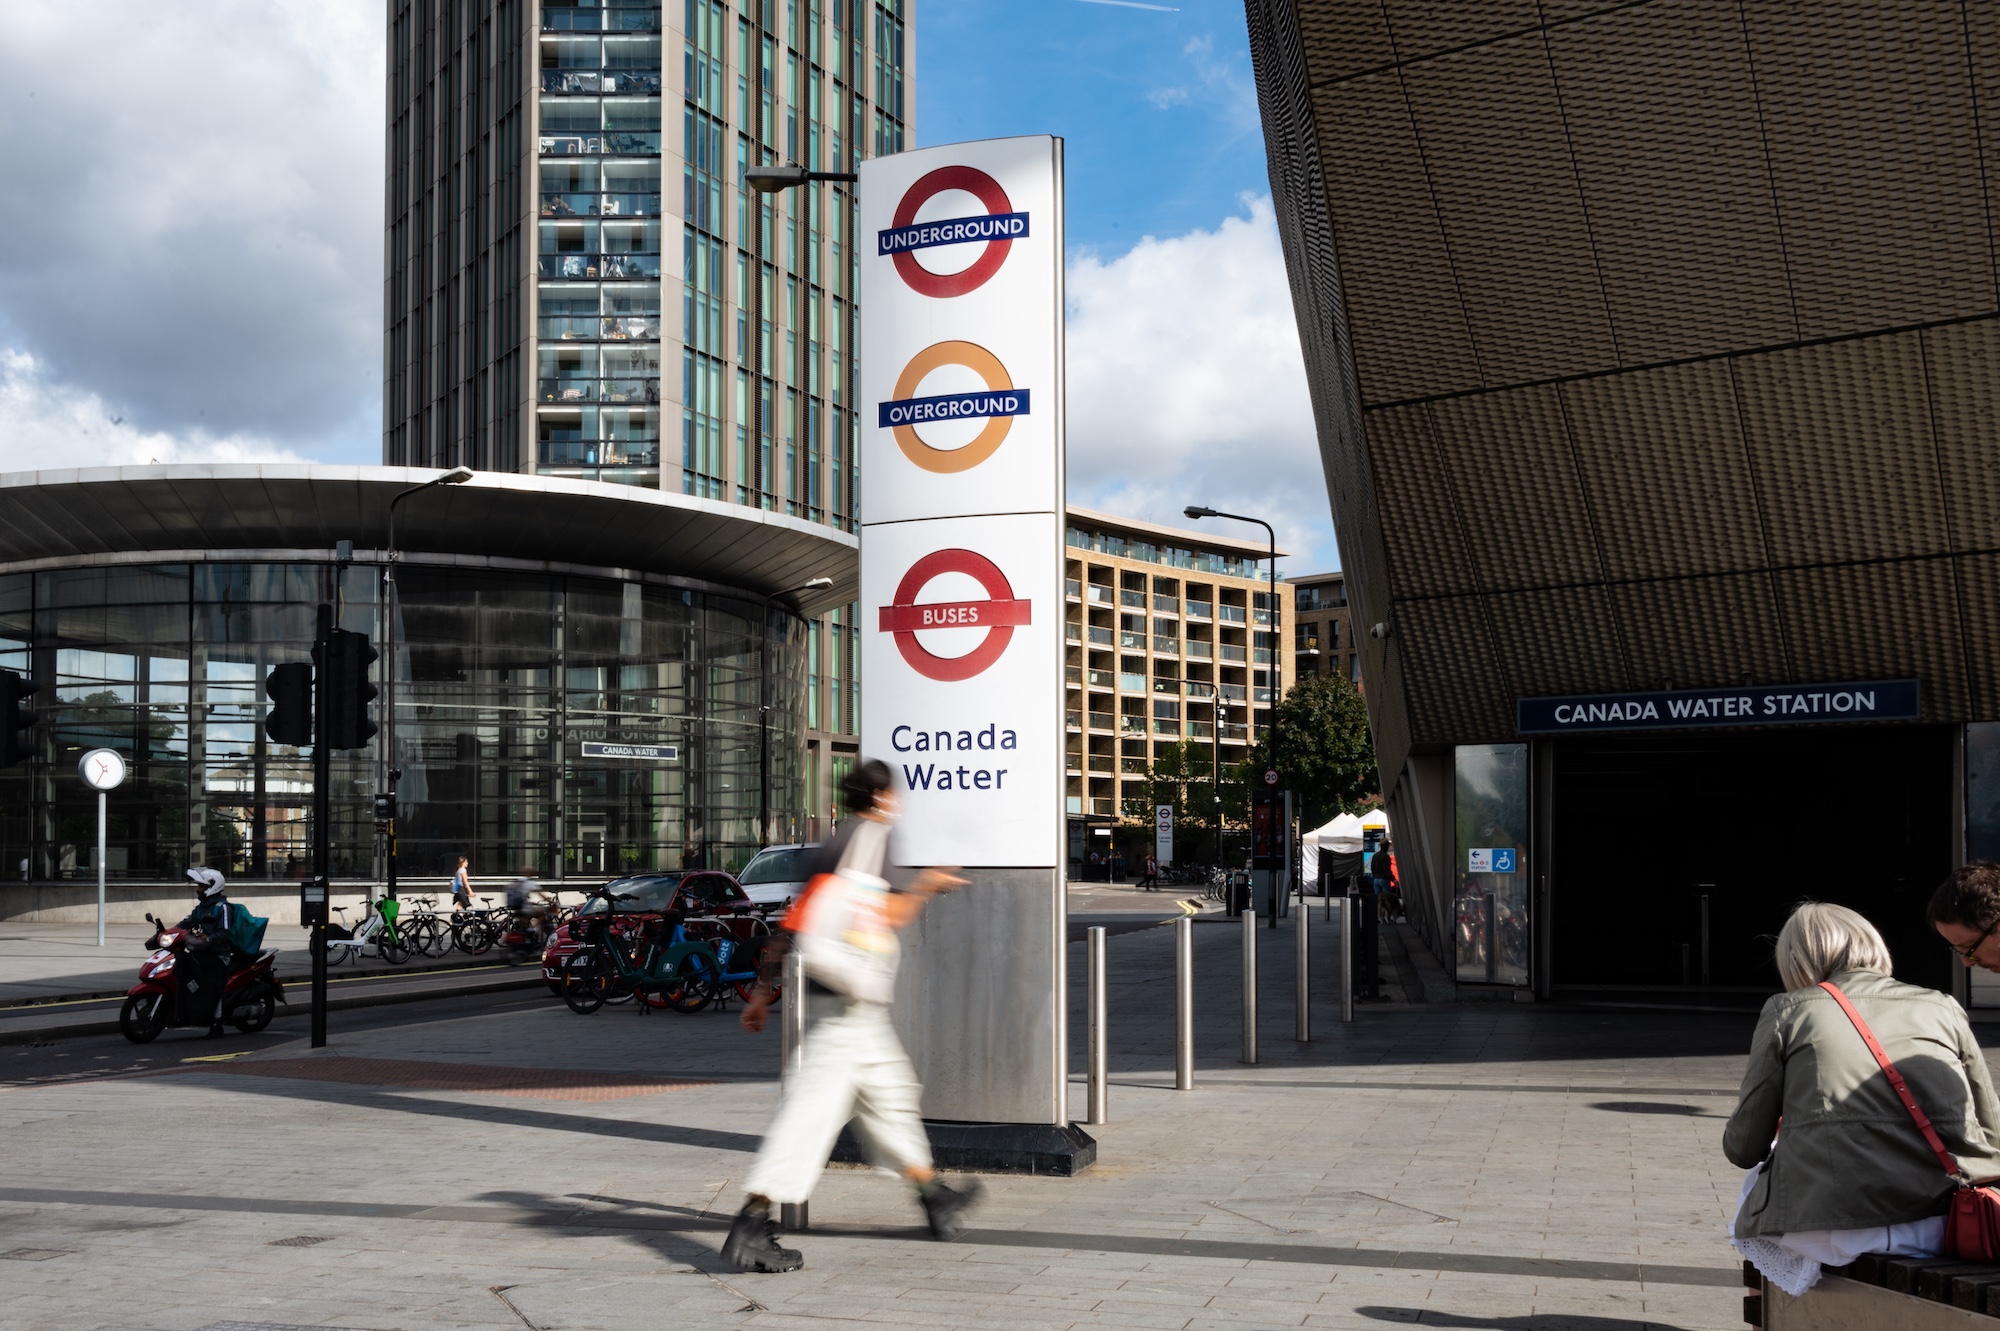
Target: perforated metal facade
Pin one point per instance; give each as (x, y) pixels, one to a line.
(1649, 342)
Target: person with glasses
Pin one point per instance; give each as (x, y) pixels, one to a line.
(1965, 911)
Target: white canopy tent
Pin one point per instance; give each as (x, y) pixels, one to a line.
(1340, 837)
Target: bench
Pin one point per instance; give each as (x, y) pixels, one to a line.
(1880, 1293)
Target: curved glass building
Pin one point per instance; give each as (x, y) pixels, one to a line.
(538, 626)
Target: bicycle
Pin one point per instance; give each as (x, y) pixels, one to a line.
(377, 929)
(427, 934)
(672, 971)
(473, 931)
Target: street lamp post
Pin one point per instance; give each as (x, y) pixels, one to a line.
(768, 180)
(764, 708)
(456, 476)
(1199, 511)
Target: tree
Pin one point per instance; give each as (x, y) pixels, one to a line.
(1183, 775)
(1324, 753)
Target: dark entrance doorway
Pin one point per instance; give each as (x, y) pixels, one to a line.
(1645, 828)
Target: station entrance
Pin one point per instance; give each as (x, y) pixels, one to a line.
(1674, 861)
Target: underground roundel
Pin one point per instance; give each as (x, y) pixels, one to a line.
(997, 229)
(998, 615)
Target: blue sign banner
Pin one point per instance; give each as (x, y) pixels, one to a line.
(1750, 705)
(955, 231)
(953, 407)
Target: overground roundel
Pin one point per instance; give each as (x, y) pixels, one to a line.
(1000, 403)
(999, 615)
(998, 230)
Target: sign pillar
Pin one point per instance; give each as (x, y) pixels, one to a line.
(962, 647)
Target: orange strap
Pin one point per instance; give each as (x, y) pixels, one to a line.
(1896, 1080)
(795, 916)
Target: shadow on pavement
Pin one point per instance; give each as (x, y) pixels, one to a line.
(1531, 1322)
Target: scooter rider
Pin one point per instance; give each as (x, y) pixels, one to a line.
(209, 946)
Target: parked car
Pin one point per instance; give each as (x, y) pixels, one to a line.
(673, 896)
(776, 874)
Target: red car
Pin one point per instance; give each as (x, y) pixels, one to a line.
(674, 895)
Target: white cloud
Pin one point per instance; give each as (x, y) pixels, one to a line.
(193, 213)
(1186, 385)
(46, 425)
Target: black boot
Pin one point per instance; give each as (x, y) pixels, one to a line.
(752, 1244)
(946, 1208)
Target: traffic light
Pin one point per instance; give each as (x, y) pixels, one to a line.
(15, 718)
(348, 692)
(290, 689)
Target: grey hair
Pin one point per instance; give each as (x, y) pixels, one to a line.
(1820, 941)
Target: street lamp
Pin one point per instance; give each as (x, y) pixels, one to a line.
(764, 707)
(1199, 511)
(456, 476)
(768, 180)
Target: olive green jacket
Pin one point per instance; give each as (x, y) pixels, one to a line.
(1848, 1155)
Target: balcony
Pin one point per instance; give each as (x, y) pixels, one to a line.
(1103, 762)
(1264, 697)
(1233, 693)
(1132, 725)
(1073, 589)
(600, 20)
(1166, 646)
(1104, 807)
(1200, 730)
(1231, 652)
(600, 453)
(599, 328)
(1102, 721)
(1132, 766)
(617, 142)
(1073, 632)
(1073, 720)
(560, 204)
(1168, 686)
(1200, 610)
(606, 80)
(1235, 734)
(612, 267)
(1101, 679)
(1164, 726)
(1200, 688)
(1135, 641)
(1234, 614)
(1166, 605)
(1262, 656)
(1199, 650)
(1137, 600)
(1073, 676)
(633, 391)
(1098, 595)
(1131, 683)
(1100, 637)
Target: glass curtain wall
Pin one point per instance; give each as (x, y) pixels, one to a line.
(503, 680)
(1492, 863)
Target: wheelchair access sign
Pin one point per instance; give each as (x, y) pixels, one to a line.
(1496, 859)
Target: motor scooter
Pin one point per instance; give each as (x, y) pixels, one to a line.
(161, 998)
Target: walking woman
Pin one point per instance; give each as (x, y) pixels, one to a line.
(461, 884)
(1848, 1171)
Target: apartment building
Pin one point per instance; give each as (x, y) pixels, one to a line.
(1322, 632)
(1172, 636)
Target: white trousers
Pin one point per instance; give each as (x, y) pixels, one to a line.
(852, 1067)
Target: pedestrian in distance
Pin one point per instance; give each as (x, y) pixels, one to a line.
(851, 1066)
(461, 884)
(1152, 879)
(1117, 866)
(1839, 1165)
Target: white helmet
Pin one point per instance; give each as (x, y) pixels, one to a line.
(207, 881)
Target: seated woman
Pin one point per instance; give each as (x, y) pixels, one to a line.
(1849, 1172)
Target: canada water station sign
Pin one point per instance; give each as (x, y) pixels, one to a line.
(1750, 705)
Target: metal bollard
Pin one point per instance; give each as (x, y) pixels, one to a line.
(1097, 1078)
(791, 1044)
(1347, 959)
(1249, 919)
(1184, 1005)
(1303, 983)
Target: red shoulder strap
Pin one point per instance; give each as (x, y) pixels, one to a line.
(1895, 1080)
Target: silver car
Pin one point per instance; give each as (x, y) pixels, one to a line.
(776, 874)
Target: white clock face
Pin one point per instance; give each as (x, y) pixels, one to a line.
(103, 769)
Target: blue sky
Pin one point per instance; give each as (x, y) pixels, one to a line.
(1157, 109)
